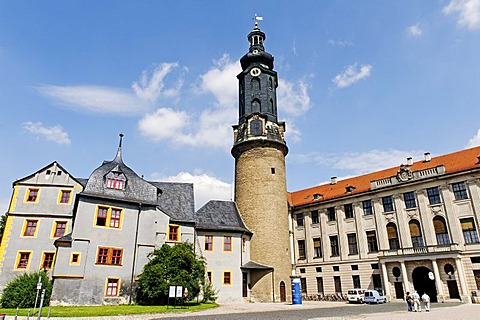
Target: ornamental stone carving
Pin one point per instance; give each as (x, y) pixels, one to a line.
(404, 174)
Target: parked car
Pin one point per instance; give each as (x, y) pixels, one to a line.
(373, 296)
(355, 295)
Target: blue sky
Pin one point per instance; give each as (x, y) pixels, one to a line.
(362, 85)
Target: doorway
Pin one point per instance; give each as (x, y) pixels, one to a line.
(283, 293)
(422, 282)
(399, 294)
(244, 285)
(453, 289)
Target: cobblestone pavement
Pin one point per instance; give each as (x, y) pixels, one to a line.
(309, 310)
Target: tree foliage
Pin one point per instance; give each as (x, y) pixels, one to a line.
(170, 265)
(21, 291)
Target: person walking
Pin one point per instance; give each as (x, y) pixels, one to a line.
(426, 301)
(416, 301)
(408, 298)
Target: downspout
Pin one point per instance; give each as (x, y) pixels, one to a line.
(134, 254)
(292, 248)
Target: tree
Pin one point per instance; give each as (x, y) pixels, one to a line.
(170, 265)
(3, 221)
(21, 291)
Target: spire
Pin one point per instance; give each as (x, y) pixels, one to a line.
(118, 158)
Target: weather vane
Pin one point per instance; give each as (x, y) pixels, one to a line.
(257, 18)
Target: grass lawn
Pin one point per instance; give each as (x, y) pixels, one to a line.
(99, 311)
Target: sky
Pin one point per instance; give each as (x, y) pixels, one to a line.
(362, 85)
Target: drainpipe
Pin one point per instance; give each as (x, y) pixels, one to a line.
(292, 249)
(134, 260)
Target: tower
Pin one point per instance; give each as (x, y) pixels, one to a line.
(260, 181)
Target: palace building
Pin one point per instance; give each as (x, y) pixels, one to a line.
(411, 227)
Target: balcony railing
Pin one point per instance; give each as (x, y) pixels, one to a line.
(419, 250)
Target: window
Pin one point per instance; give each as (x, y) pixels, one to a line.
(109, 256)
(476, 275)
(301, 250)
(303, 285)
(299, 217)
(475, 259)
(227, 277)
(433, 195)
(115, 218)
(65, 196)
(336, 268)
(30, 228)
(32, 195)
(409, 198)
(348, 210)
(23, 259)
(115, 183)
(244, 245)
(372, 241)
(331, 216)
(338, 284)
(60, 227)
(354, 267)
(318, 269)
(209, 277)
(460, 191)
(352, 243)
(173, 233)
(416, 234)
(208, 242)
(319, 284)
(441, 232)
(315, 218)
(469, 232)
(392, 235)
(102, 216)
(227, 243)
(356, 281)
(387, 203)
(112, 287)
(367, 207)
(317, 248)
(75, 258)
(334, 249)
(377, 282)
(302, 270)
(47, 260)
(375, 266)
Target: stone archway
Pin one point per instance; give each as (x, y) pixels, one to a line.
(422, 282)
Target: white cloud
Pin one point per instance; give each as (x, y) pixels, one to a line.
(468, 12)
(55, 133)
(340, 43)
(415, 30)
(140, 98)
(475, 141)
(359, 162)
(352, 74)
(293, 98)
(162, 124)
(205, 187)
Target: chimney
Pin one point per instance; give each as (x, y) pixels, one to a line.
(333, 180)
(409, 161)
(427, 156)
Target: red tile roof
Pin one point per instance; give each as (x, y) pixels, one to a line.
(453, 162)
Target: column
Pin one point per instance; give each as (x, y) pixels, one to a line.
(386, 283)
(461, 277)
(406, 284)
(438, 282)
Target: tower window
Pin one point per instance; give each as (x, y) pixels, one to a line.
(256, 128)
(272, 170)
(255, 84)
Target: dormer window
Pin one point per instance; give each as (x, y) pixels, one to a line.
(115, 179)
(317, 196)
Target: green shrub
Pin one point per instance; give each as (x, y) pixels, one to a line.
(21, 291)
(209, 293)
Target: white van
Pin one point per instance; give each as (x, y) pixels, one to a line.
(373, 296)
(355, 295)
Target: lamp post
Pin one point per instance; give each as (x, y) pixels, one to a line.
(39, 287)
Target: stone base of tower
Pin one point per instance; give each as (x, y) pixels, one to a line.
(266, 286)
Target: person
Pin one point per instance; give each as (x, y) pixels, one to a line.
(408, 298)
(426, 301)
(416, 301)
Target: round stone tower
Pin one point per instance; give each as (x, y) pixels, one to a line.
(260, 181)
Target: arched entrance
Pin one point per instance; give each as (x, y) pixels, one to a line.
(283, 293)
(422, 282)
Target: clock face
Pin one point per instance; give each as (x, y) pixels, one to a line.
(255, 72)
(255, 51)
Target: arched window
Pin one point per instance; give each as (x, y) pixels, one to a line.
(416, 234)
(242, 108)
(270, 83)
(255, 84)
(270, 106)
(392, 236)
(256, 106)
(441, 231)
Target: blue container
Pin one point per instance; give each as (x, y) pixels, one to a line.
(296, 291)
